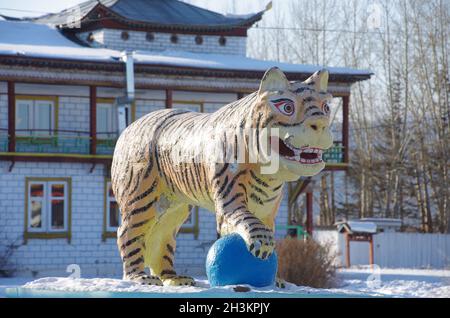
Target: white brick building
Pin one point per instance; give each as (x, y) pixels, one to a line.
(58, 121)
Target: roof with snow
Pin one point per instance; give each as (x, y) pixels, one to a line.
(38, 43)
(171, 13)
(356, 227)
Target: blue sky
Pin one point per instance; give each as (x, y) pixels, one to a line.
(36, 8)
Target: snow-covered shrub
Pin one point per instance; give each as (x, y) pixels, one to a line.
(306, 263)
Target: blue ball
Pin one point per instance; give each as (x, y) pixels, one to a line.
(230, 263)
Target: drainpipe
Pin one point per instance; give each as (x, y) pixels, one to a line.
(124, 103)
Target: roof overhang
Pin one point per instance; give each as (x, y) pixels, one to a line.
(164, 69)
(101, 16)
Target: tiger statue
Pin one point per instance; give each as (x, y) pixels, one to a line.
(160, 170)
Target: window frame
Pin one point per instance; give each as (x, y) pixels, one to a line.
(46, 232)
(200, 104)
(36, 99)
(108, 231)
(112, 102)
(193, 226)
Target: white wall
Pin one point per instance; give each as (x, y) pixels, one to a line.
(111, 38)
(395, 250)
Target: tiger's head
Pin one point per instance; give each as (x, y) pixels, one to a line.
(300, 111)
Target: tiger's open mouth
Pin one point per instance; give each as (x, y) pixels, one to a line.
(303, 155)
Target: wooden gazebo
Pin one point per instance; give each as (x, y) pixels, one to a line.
(358, 232)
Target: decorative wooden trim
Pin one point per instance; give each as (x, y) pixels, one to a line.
(345, 126)
(161, 69)
(56, 235)
(11, 117)
(93, 119)
(169, 98)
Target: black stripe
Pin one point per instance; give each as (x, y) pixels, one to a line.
(288, 125)
(168, 272)
(167, 258)
(245, 190)
(138, 261)
(158, 165)
(258, 180)
(272, 199)
(237, 195)
(139, 224)
(129, 181)
(278, 187)
(257, 131)
(225, 182)
(142, 209)
(131, 241)
(221, 172)
(162, 124)
(233, 181)
(132, 253)
(256, 199)
(258, 229)
(144, 194)
(259, 190)
(170, 248)
(150, 164)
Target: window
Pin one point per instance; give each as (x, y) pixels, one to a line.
(198, 40)
(191, 223)
(189, 105)
(48, 208)
(112, 218)
(107, 118)
(35, 116)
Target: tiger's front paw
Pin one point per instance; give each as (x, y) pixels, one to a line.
(178, 281)
(261, 243)
(144, 279)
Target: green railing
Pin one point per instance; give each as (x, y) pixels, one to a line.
(53, 144)
(106, 146)
(335, 154)
(71, 142)
(58, 142)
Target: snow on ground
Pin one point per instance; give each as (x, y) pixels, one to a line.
(353, 282)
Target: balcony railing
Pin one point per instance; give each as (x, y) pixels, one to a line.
(58, 142)
(77, 142)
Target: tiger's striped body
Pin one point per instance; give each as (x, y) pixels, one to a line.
(160, 168)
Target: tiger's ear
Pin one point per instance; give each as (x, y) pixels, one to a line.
(319, 80)
(273, 80)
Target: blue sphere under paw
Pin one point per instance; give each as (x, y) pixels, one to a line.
(230, 263)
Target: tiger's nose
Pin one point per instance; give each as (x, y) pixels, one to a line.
(317, 123)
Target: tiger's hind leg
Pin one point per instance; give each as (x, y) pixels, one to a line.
(138, 217)
(161, 243)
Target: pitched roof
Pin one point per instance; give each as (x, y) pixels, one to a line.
(154, 12)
